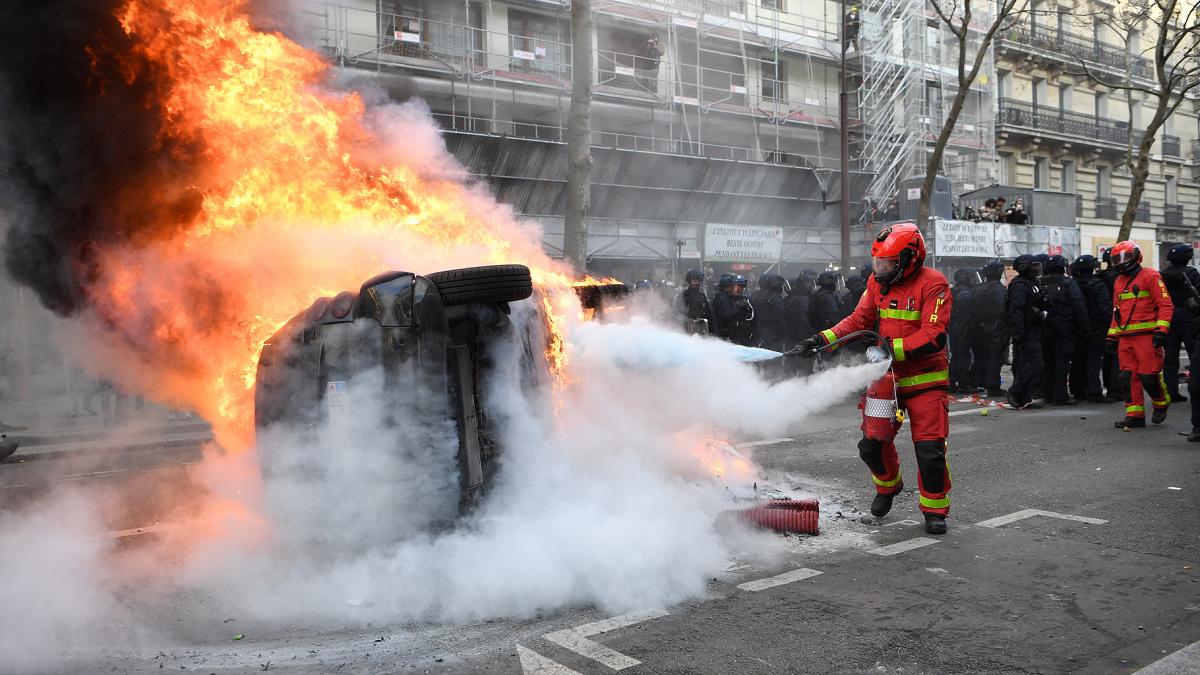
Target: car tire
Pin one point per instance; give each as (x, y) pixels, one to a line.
(491, 283)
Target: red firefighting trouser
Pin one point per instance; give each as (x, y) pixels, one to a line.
(1141, 367)
(928, 415)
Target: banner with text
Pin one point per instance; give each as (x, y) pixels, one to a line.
(964, 239)
(742, 243)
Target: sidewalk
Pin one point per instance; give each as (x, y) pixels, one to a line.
(51, 430)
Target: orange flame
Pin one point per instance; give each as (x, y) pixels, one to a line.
(305, 192)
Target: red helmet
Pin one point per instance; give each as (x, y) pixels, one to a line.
(898, 250)
(1125, 256)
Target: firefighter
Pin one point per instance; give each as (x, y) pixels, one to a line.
(1025, 314)
(909, 305)
(733, 311)
(1066, 319)
(987, 307)
(1183, 282)
(825, 310)
(961, 330)
(694, 306)
(1089, 354)
(1142, 312)
(771, 319)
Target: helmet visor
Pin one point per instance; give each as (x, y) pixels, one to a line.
(885, 268)
(1124, 258)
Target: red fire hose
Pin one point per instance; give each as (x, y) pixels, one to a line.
(785, 515)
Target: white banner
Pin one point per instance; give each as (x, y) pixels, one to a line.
(964, 239)
(743, 243)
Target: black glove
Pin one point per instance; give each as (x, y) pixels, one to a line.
(809, 347)
(1193, 304)
(1160, 339)
(1110, 346)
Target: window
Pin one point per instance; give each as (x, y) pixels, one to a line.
(774, 80)
(1008, 168)
(1097, 30)
(1066, 176)
(1004, 83)
(1041, 173)
(1064, 22)
(1100, 105)
(1039, 91)
(1036, 9)
(538, 42)
(776, 5)
(1103, 182)
(1065, 94)
(1172, 189)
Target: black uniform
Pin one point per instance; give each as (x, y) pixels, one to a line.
(1182, 282)
(960, 330)
(1112, 379)
(693, 304)
(1089, 354)
(987, 309)
(770, 313)
(1067, 317)
(796, 306)
(1023, 308)
(735, 318)
(825, 311)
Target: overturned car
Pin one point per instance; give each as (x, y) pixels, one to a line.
(423, 345)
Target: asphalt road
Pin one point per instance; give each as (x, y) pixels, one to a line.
(1107, 583)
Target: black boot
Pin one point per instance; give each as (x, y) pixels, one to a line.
(996, 393)
(882, 504)
(1131, 423)
(1194, 436)
(1159, 416)
(935, 524)
(1178, 398)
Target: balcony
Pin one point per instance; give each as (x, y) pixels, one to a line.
(1076, 127)
(1171, 146)
(1074, 49)
(1142, 214)
(1106, 207)
(1196, 150)
(1173, 215)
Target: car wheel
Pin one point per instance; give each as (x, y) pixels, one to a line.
(491, 283)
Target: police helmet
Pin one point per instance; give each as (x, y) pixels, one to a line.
(694, 275)
(827, 278)
(1180, 253)
(739, 280)
(966, 277)
(642, 284)
(993, 270)
(1084, 264)
(726, 281)
(865, 271)
(1027, 265)
(1055, 264)
(1106, 255)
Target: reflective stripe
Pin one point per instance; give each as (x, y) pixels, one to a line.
(1162, 323)
(898, 349)
(829, 336)
(1135, 408)
(1114, 331)
(943, 503)
(1147, 325)
(923, 378)
(887, 483)
(1129, 295)
(902, 314)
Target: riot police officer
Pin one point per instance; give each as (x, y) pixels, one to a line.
(694, 306)
(1023, 308)
(825, 311)
(1112, 381)
(987, 308)
(1183, 283)
(733, 311)
(1066, 318)
(771, 320)
(796, 306)
(1089, 353)
(961, 330)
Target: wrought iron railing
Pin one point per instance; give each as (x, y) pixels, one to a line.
(1079, 126)
(1106, 207)
(1076, 48)
(1171, 146)
(1173, 214)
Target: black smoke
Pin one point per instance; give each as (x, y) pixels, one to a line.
(84, 160)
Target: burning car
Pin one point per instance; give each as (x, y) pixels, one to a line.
(429, 336)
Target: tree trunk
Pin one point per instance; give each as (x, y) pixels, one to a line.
(579, 154)
(935, 157)
(1141, 170)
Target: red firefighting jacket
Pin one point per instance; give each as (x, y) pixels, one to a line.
(912, 316)
(1141, 304)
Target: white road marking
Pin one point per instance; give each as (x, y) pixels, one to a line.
(1174, 488)
(576, 639)
(533, 663)
(778, 580)
(1182, 662)
(769, 441)
(906, 545)
(969, 411)
(902, 522)
(1029, 513)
